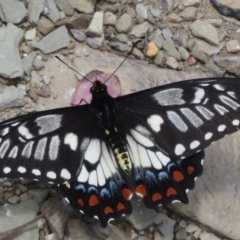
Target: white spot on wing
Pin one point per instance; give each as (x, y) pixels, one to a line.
(71, 139)
(198, 95)
(155, 122)
(65, 174)
(222, 110)
(14, 152)
(27, 149)
(221, 128)
(15, 124)
(4, 147)
(93, 178)
(144, 158)
(48, 123)
(194, 144)
(177, 121)
(169, 97)
(83, 175)
(5, 131)
(218, 87)
(229, 102)
(93, 151)
(54, 147)
(132, 149)
(21, 169)
(154, 160)
(100, 176)
(163, 158)
(36, 172)
(179, 149)
(141, 139)
(24, 132)
(51, 175)
(40, 149)
(192, 117)
(7, 170)
(205, 112)
(208, 136)
(235, 122)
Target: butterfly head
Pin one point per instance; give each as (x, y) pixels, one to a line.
(99, 89)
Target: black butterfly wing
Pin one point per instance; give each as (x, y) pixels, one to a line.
(46, 145)
(168, 126)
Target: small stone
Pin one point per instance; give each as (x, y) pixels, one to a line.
(124, 23)
(168, 45)
(172, 63)
(189, 13)
(160, 58)
(155, 12)
(23, 197)
(174, 18)
(122, 37)
(216, 22)
(167, 34)
(180, 37)
(166, 230)
(189, 3)
(92, 43)
(45, 25)
(192, 61)
(65, 6)
(191, 228)
(78, 35)
(30, 34)
(95, 28)
(152, 49)
(45, 92)
(182, 224)
(23, 188)
(183, 53)
(141, 11)
(86, 6)
(208, 236)
(139, 30)
(109, 19)
(7, 184)
(14, 200)
(120, 46)
(35, 8)
(33, 95)
(181, 234)
(199, 54)
(38, 63)
(233, 46)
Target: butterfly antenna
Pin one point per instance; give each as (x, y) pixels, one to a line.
(72, 68)
(134, 45)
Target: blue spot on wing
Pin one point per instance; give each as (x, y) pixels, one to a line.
(80, 187)
(162, 176)
(105, 193)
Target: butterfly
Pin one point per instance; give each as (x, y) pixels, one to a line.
(150, 143)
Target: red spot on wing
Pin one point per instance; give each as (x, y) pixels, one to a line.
(177, 176)
(171, 191)
(141, 190)
(126, 193)
(108, 210)
(120, 206)
(156, 197)
(190, 170)
(93, 200)
(80, 202)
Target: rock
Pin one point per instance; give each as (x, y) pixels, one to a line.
(45, 92)
(181, 234)
(95, 28)
(160, 58)
(86, 6)
(7, 14)
(77, 21)
(180, 37)
(172, 63)
(208, 236)
(30, 209)
(166, 5)
(227, 8)
(233, 46)
(158, 40)
(124, 23)
(10, 61)
(155, 12)
(45, 26)
(54, 41)
(189, 3)
(216, 22)
(106, 8)
(139, 30)
(27, 63)
(167, 34)
(230, 62)
(141, 217)
(38, 63)
(109, 19)
(14, 200)
(65, 6)
(122, 37)
(214, 69)
(184, 54)
(54, 14)
(205, 30)
(38, 196)
(199, 54)
(191, 228)
(78, 35)
(169, 47)
(93, 43)
(35, 8)
(166, 231)
(152, 49)
(182, 224)
(189, 14)
(141, 11)
(174, 18)
(30, 34)
(208, 48)
(120, 46)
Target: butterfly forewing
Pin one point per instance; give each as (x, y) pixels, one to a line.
(45, 145)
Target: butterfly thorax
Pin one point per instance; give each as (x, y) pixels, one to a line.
(103, 106)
